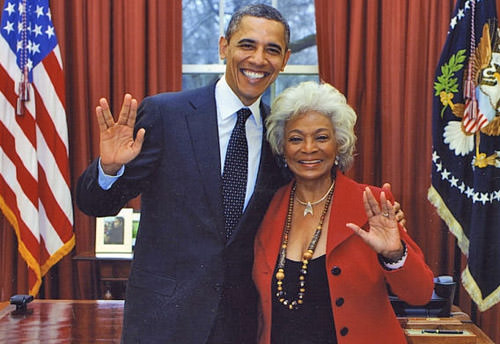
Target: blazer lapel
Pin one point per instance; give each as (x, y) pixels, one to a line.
(271, 231)
(204, 136)
(347, 206)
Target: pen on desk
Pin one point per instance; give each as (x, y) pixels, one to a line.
(443, 331)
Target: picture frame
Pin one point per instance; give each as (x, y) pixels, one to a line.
(136, 217)
(114, 233)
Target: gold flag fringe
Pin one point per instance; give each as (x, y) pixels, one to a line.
(456, 229)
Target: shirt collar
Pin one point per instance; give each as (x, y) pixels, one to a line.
(228, 102)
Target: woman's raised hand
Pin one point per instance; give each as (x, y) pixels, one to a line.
(383, 233)
(117, 145)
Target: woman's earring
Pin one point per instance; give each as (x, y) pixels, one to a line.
(336, 161)
(284, 163)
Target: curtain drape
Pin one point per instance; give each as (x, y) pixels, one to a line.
(108, 47)
(382, 55)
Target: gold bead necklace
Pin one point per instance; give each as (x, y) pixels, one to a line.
(281, 294)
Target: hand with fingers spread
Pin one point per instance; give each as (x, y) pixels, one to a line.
(117, 145)
(383, 233)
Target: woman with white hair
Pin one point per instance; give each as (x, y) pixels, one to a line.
(329, 246)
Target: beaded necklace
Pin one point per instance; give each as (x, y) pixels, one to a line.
(280, 274)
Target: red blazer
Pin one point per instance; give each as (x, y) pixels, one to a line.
(355, 275)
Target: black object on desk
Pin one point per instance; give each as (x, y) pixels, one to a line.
(438, 307)
(21, 301)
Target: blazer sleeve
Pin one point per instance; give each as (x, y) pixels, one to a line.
(414, 272)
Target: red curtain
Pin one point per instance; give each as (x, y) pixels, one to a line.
(382, 55)
(108, 47)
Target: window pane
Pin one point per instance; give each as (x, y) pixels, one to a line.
(285, 81)
(190, 81)
(200, 30)
(200, 21)
(300, 16)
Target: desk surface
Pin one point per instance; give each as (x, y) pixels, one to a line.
(63, 321)
(90, 321)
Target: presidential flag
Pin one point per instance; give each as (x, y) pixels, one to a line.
(34, 168)
(466, 144)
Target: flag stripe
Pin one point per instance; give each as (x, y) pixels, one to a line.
(56, 77)
(10, 190)
(53, 141)
(54, 212)
(29, 185)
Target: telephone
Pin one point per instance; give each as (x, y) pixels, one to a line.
(438, 307)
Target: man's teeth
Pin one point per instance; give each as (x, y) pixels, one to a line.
(254, 75)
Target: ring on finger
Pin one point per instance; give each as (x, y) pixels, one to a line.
(386, 214)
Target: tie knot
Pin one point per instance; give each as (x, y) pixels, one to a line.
(243, 114)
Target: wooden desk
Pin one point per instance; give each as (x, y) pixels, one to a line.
(63, 321)
(84, 321)
(458, 321)
(112, 273)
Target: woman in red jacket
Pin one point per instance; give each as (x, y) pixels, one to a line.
(328, 247)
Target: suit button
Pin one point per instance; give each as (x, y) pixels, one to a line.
(340, 301)
(218, 287)
(344, 331)
(336, 271)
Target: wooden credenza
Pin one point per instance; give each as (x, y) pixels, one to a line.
(112, 273)
(89, 321)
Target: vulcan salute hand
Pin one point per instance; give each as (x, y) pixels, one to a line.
(383, 233)
(117, 145)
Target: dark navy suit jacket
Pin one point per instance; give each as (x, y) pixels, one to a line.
(182, 264)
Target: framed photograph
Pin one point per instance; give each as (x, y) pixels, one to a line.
(136, 216)
(114, 233)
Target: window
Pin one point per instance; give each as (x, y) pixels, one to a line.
(204, 21)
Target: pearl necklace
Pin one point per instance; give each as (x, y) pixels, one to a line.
(309, 205)
(280, 274)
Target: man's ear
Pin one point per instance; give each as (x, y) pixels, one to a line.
(285, 60)
(223, 44)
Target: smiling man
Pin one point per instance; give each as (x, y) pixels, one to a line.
(255, 52)
(190, 280)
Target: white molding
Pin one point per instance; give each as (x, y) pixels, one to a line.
(220, 68)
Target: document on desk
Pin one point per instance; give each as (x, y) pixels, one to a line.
(441, 336)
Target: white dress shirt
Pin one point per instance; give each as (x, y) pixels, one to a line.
(227, 106)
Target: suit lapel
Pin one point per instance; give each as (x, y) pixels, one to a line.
(202, 125)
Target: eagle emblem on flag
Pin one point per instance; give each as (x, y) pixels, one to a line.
(481, 111)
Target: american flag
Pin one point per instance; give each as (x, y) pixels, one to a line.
(34, 168)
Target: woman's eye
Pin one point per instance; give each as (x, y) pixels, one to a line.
(294, 139)
(322, 138)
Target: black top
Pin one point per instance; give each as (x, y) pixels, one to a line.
(313, 321)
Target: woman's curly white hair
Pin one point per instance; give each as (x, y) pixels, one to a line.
(312, 96)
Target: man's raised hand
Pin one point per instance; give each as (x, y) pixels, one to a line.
(117, 145)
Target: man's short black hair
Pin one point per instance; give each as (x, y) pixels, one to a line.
(260, 11)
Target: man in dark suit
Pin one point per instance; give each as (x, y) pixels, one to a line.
(190, 280)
